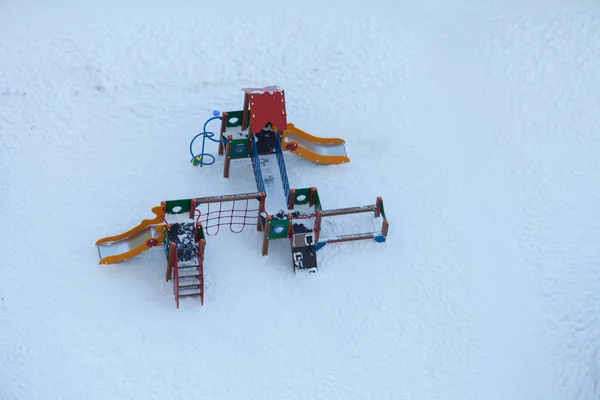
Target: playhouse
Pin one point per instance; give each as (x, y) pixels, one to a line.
(259, 132)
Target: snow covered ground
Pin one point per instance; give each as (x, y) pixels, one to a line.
(477, 123)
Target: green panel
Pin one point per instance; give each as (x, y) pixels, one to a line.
(178, 206)
(240, 148)
(302, 196)
(278, 228)
(383, 211)
(234, 118)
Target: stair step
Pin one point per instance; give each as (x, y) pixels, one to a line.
(187, 266)
(189, 274)
(186, 280)
(189, 292)
(189, 286)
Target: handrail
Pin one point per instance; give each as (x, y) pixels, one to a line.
(283, 171)
(227, 197)
(258, 176)
(348, 210)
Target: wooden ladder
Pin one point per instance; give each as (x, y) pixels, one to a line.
(188, 280)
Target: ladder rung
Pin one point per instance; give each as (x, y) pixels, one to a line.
(190, 292)
(192, 286)
(192, 274)
(186, 266)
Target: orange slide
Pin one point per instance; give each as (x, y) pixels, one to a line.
(118, 248)
(313, 148)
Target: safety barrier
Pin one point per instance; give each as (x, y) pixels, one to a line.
(377, 209)
(283, 171)
(233, 211)
(258, 176)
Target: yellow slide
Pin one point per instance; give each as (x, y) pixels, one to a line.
(149, 233)
(313, 148)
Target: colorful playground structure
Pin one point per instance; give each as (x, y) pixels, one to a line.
(261, 133)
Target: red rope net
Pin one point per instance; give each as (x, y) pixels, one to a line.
(230, 213)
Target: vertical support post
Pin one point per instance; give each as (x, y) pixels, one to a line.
(261, 208)
(384, 228)
(292, 199)
(163, 204)
(197, 231)
(173, 257)
(245, 111)
(169, 272)
(265, 248)
(222, 135)
(378, 205)
(201, 245)
(313, 196)
(318, 225)
(290, 229)
(192, 209)
(227, 157)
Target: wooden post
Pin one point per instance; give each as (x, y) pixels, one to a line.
(245, 111)
(290, 229)
(201, 246)
(384, 228)
(169, 272)
(318, 225)
(265, 248)
(222, 135)
(261, 208)
(163, 204)
(227, 159)
(313, 196)
(175, 271)
(170, 261)
(292, 199)
(192, 208)
(201, 250)
(197, 231)
(378, 205)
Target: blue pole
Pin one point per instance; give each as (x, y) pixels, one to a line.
(199, 159)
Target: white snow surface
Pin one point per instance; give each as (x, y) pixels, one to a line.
(488, 286)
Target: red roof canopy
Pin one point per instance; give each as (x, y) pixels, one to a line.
(266, 105)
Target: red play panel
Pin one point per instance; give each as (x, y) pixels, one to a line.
(267, 105)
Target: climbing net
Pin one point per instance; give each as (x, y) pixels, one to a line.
(236, 214)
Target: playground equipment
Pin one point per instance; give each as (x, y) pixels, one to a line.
(315, 149)
(147, 234)
(260, 132)
(200, 159)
